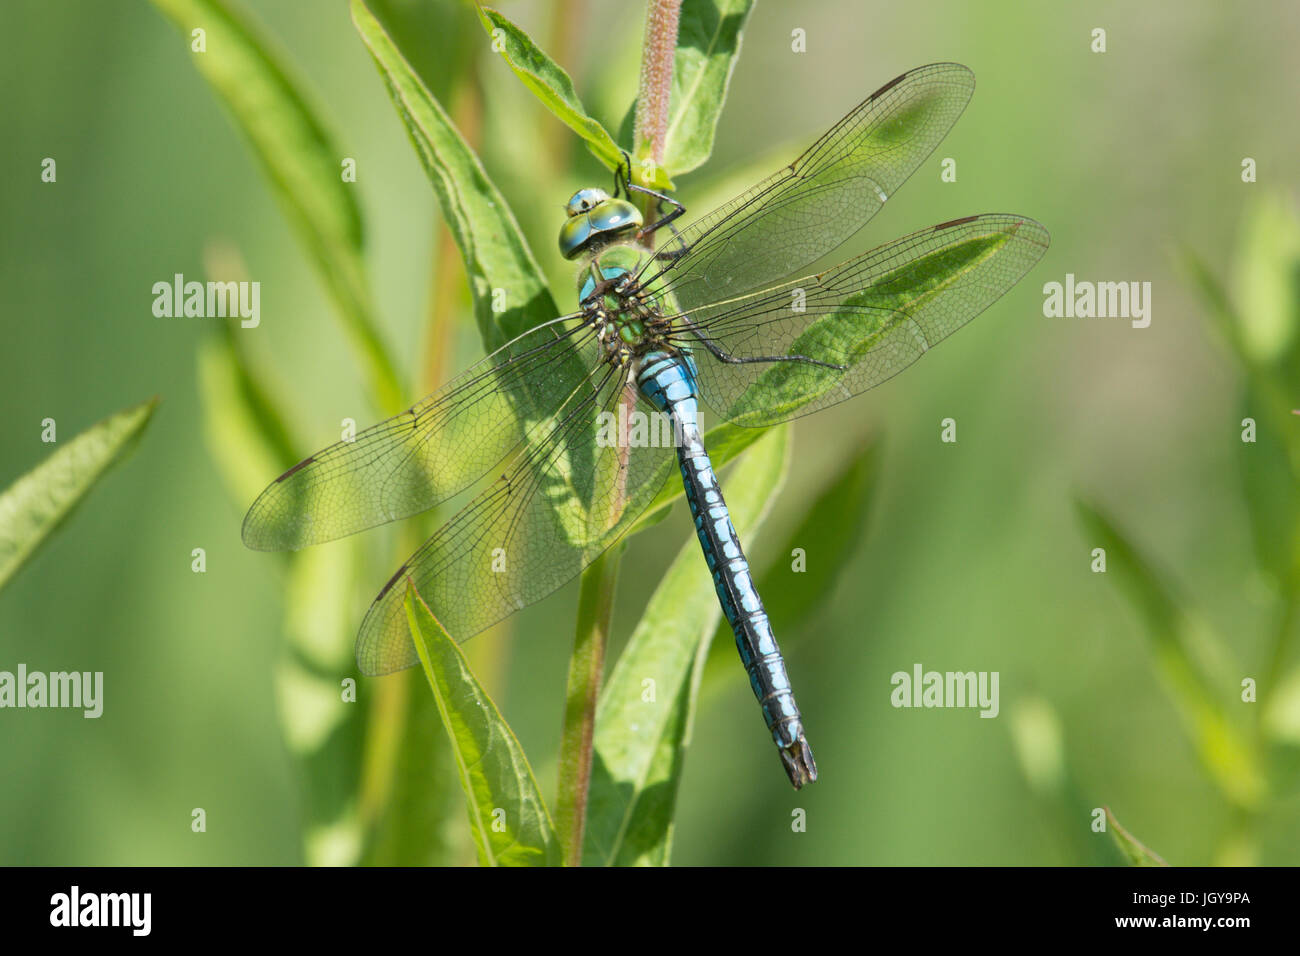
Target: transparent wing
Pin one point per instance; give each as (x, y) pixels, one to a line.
(431, 451)
(563, 499)
(875, 314)
(796, 216)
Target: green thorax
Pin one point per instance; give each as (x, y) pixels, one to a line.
(612, 262)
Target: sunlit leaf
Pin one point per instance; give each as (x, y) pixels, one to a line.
(38, 502)
(506, 811)
(242, 426)
(406, 806)
(1137, 853)
(1268, 487)
(708, 43)
(301, 161)
(502, 270)
(1266, 279)
(1282, 710)
(1269, 466)
(921, 292)
(1223, 748)
(1040, 745)
(547, 81)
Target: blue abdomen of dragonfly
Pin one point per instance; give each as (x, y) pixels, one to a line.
(668, 381)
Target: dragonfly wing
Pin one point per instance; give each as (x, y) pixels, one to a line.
(874, 315)
(563, 499)
(793, 218)
(429, 452)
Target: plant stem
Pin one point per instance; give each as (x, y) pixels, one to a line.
(596, 599)
(586, 668)
(656, 78)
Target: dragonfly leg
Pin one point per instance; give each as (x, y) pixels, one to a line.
(623, 182)
(678, 210)
(621, 179)
(730, 359)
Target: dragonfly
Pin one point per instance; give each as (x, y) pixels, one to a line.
(560, 425)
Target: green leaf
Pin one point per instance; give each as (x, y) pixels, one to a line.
(324, 733)
(1224, 750)
(861, 322)
(1282, 710)
(38, 502)
(1137, 853)
(547, 81)
(1269, 379)
(248, 439)
(408, 803)
(506, 811)
(302, 163)
(1268, 488)
(431, 35)
(1214, 297)
(1038, 737)
(495, 252)
(830, 531)
(1268, 466)
(640, 745)
(242, 427)
(377, 779)
(1040, 745)
(1266, 280)
(708, 43)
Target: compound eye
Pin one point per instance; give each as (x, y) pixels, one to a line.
(585, 200)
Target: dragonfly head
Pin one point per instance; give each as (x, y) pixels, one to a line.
(595, 218)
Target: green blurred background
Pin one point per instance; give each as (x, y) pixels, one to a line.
(974, 558)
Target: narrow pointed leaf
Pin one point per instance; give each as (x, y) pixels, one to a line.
(640, 744)
(1215, 297)
(1282, 710)
(506, 811)
(495, 252)
(1222, 746)
(38, 502)
(301, 161)
(1134, 850)
(1268, 465)
(243, 429)
(708, 43)
(1266, 281)
(1268, 486)
(407, 809)
(548, 81)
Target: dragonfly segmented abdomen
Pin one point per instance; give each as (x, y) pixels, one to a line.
(668, 382)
